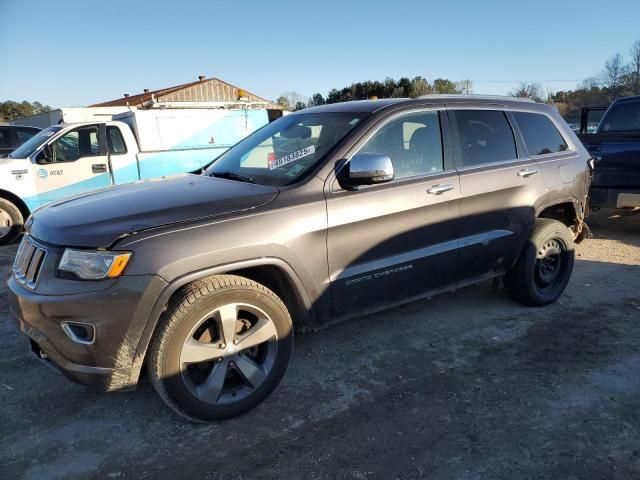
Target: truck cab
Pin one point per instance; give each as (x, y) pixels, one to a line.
(615, 147)
(61, 161)
(70, 159)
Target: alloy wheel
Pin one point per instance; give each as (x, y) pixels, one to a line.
(229, 353)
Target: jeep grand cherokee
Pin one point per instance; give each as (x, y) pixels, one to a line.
(331, 212)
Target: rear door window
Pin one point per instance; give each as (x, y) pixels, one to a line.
(484, 136)
(115, 142)
(540, 134)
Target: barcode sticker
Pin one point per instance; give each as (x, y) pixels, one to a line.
(292, 157)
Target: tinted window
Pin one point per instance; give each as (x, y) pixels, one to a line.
(76, 144)
(623, 117)
(413, 142)
(25, 134)
(485, 136)
(115, 142)
(540, 134)
(6, 142)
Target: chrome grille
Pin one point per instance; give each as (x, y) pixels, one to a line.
(28, 263)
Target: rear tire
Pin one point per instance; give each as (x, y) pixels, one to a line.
(544, 267)
(11, 222)
(222, 347)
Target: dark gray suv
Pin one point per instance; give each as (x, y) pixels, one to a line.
(331, 212)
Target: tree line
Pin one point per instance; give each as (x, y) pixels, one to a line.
(389, 88)
(11, 110)
(618, 78)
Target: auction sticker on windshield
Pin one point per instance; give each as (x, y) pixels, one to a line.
(292, 157)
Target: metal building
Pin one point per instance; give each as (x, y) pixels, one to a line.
(201, 91)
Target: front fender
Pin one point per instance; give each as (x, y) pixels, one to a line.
(175, 285)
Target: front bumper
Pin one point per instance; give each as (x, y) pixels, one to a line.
(118, 315)
(614, 197)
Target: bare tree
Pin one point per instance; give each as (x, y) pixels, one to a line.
(613, 71)
(528, 90)
(590, 82)
(635, 65)
(291, 99)
(465, 86)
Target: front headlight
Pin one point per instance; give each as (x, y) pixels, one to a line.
(94, 265)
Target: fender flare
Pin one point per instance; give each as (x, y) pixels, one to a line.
(179, 282)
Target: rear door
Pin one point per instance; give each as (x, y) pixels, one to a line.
(80, 164)
(389, 242)
(499, 184)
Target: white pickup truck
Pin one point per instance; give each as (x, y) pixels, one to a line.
(69, 159)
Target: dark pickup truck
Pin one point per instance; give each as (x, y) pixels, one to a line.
(615, 147)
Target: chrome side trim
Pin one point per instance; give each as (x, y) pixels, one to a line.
(437, 249)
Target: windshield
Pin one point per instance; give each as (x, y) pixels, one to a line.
(31, 145)
(283, 151)
(624, 117)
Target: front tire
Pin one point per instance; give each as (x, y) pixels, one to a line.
(544, 267)
(11, 222)
(222, 347)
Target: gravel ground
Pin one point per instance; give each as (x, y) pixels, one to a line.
(466, 386)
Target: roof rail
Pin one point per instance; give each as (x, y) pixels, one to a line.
(477, 97)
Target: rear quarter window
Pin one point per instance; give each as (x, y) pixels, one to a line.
(540, 134)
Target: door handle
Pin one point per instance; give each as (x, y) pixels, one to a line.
(99, 168)
(527, 172)
(439, 189)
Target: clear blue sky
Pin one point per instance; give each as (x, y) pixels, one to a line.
(69, 53)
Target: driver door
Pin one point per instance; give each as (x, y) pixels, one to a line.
(394, 241)
(78, 162)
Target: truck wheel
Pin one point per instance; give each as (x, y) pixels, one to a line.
(222, 346)
(11, 222)
(544, 267)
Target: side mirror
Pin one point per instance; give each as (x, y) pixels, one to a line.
(367, 169)
(45, 156)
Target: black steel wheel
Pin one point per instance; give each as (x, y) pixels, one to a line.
(544, 267)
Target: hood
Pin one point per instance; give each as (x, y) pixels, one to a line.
(99, 218)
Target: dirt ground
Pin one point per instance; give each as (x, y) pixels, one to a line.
(465, 386)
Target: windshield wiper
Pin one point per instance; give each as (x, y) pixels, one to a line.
(233, 176)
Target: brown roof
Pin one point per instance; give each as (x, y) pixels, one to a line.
(209, 90)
